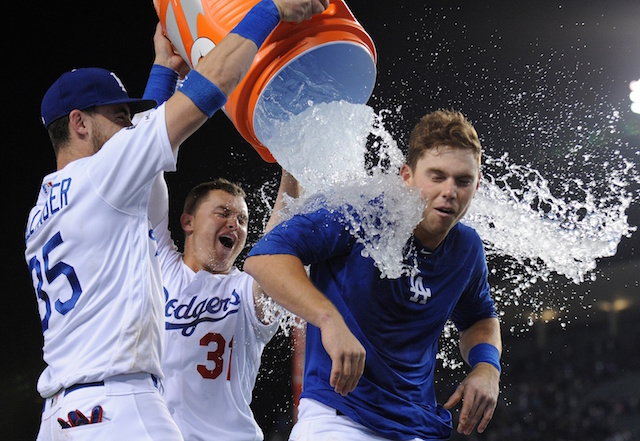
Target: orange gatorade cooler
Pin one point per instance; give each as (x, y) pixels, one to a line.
(327, 58)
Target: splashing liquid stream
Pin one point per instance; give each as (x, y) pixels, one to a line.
(516, 213)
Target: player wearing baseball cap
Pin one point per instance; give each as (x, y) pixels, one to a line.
(91, 250)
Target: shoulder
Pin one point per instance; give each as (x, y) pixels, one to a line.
(145, 132)
(464, 242)
(233, 277)
(235, 281)
(310, 226)
(314, 215)
(236, 276)
(467, 234)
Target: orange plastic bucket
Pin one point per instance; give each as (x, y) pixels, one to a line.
(331, 54)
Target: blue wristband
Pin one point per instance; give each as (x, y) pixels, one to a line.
(259, 22)
(161, 84)
(204, 94)
(485, 353)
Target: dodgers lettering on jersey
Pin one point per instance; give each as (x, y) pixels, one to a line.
(213, 348)
(187, 316)
(213, 344)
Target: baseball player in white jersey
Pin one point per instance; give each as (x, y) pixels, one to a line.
(90, 247)
(216, 328)
(92, 255)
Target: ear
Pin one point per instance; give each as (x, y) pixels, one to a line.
(186, 222)
(475, 190)
(78, 123)
(406, 174)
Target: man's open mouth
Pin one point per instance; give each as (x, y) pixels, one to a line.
(227, 242)
(446, 210)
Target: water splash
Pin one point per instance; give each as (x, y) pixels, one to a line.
(325, 149)
(517, 215)
(272, 312)
(324, 144)
(540, 227)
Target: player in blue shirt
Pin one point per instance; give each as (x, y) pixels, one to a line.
(372, 341)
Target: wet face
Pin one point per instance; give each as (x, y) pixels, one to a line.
(448, 178)
(216, 232)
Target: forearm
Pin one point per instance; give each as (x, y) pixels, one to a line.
(217, 74)
(289, 186)
(284, 279)
(223, 67)
(483, 331)
(228, 62)
(219, 71)
(480, 389)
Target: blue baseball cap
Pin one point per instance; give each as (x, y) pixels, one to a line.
(84, 88)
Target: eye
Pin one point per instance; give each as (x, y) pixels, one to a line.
(122, 117)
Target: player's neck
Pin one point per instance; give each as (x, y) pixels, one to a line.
(72, 152)
(195, 265)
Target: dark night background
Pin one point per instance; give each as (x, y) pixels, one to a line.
(576, 377)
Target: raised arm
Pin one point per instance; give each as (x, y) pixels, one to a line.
(481, 347)
(284, 278)
(220, 71)
(289, 186)
(165, 54)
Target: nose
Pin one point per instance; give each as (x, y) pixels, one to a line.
(450, 189)
(232, 221)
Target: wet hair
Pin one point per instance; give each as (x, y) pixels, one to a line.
(58, 130)
(442, 128)
(198, 193)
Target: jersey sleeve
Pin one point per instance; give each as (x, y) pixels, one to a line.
(312, 237)
(168, 254)
(126, 166)
(158, 201)
(475, 303)
(263, 332)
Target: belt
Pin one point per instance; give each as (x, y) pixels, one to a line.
(82, 385)
(99, 383)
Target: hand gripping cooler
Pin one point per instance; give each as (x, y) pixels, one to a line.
(327, 58)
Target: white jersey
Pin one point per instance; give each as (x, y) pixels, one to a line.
(213, 348)
(93, 258)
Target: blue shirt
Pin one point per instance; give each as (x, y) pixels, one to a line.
(398, 321)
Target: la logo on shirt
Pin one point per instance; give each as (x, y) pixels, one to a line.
(420, 293)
